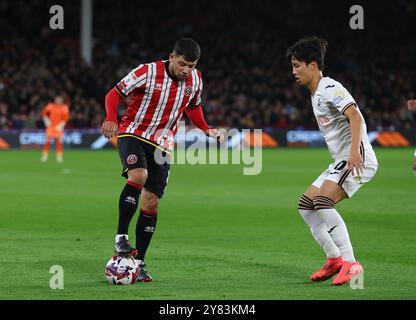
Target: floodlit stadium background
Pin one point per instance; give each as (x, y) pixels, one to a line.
(248, 82)
(245, 229)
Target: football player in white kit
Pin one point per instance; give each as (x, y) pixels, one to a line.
(354, 161)
(411, 105)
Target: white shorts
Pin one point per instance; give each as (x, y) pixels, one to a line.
(338, 172)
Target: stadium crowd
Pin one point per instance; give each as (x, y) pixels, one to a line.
(247, 78)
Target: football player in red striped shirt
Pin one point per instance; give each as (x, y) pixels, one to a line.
(160, 92)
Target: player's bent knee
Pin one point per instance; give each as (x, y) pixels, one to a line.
(150, 203)
(138, 176)
(322, 202)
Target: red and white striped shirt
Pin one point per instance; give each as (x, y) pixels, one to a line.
(157, 101)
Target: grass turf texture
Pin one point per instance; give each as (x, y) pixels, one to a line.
(220, 234)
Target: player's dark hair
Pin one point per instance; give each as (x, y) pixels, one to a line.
(188, 48)
(309, 49)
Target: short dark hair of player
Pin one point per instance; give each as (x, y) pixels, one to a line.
(188, 48)
(309, 49)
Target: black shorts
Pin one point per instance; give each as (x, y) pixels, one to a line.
(135, 152)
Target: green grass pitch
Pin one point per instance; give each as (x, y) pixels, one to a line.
(220, 234)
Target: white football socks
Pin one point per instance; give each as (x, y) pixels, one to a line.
(320, 233)
(337, 229)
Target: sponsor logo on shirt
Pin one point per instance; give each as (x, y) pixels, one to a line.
(338, 97)
(322, 121)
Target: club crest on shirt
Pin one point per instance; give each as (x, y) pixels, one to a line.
(320, 105)
(188, 91)
(131, 159)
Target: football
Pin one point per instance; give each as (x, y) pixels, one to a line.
(121, 270)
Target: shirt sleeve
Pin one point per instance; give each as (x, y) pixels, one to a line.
(111, 103)
(136, 79)
(196, 115)
(335, 95)
(197, 98)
